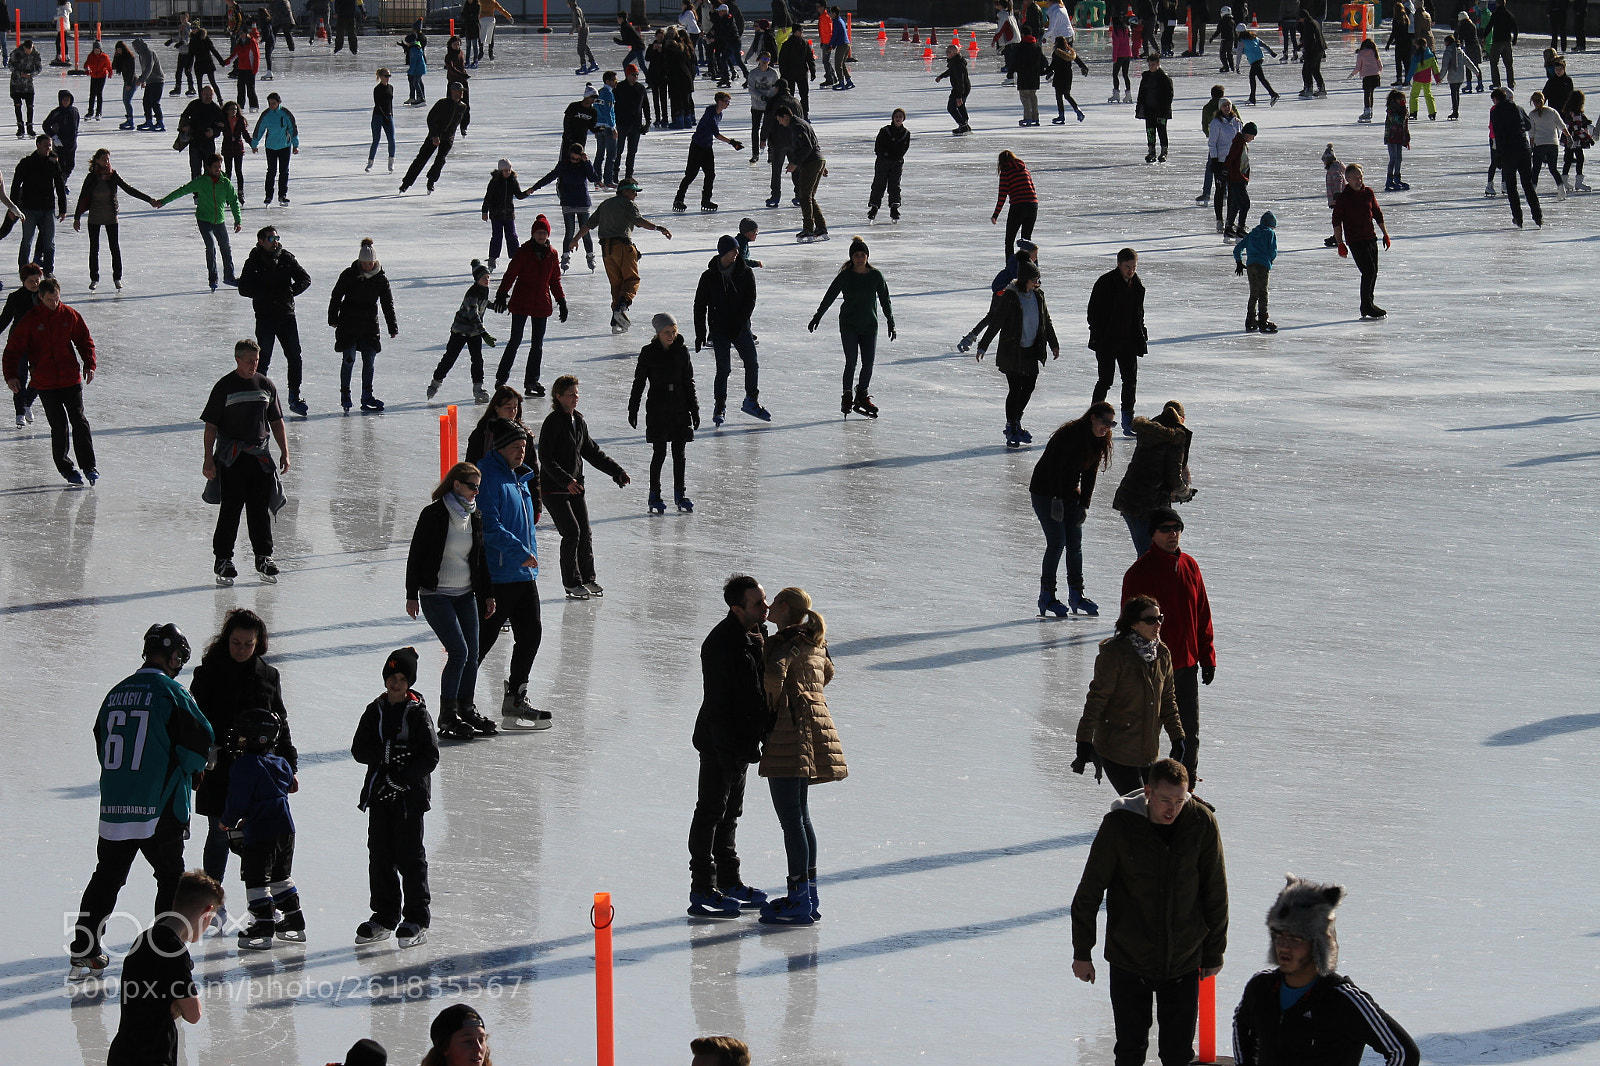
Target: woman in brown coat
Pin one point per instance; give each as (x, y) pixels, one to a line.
(803, 748)
(1130, 700)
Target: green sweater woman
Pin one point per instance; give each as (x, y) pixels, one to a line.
(863, 288)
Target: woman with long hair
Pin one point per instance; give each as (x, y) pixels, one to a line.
(506, 403)
(862, 287)
(564, 444)
(455, 73)
(98, 198)
(1016, 184)
(231, 678)
(1131, 699)
(122, 62)
(803, 748)
(1063, 480)
(446, 577)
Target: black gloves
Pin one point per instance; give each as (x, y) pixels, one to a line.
(1079, 515)
(500, 304)
(633, 418)
(562, 306)
(1178, 749)
(1238, 267)
(699, 342)
(694, 418)
(384, 790)
(737, 147)
(1085, 756)
(1207, 674)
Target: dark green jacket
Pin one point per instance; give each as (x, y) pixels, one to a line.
(1166, 902)
(1005, 318)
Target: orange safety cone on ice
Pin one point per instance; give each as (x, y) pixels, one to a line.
(916, 35)
(933, 35)
(883, 34)
(972, 46)
(927, 52)
(905, 33)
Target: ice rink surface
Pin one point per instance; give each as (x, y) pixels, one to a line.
(1393, 521)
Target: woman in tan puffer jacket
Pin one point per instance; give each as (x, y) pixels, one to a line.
(1130, 699)
(803, 748)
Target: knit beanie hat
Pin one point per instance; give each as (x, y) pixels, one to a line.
(748, 225)
(479, 270)
(451, 1020)
(1328, 158)
(503, 432)
(1025, 245)
(1269, 220)
(1250, 128)
(541, 223)
(366, 1053)
(661, 320)
(1162, 516)
(589, 90)
(1027, 271)
(1305, 909)
(368, 254)
(403, 661)
(726, 244)
(858, 245)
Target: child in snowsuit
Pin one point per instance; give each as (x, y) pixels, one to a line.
(1261, 245)
(259, 783)
(1225, 32)
(467, 331)
(397, 742)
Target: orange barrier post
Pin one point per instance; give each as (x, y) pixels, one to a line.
(447, 457)
(452, 27)
(19, 25)
(455, 433)
(1190, 20)
(1208, 1020)
(1365, 10)
(97, 31)
(77, 67)
(601, 915)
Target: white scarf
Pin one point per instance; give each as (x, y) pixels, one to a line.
(459, 507)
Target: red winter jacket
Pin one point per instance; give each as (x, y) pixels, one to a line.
(246, 55)
(531, 278)
(1176, 584)
(46, 339)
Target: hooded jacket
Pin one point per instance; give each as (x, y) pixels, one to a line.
(724, 300)
(532, 277)
(385, 728)
(501, 196)
(271, 279)
(1332, 1024)
(1129, 702)
(1166, 899)
(1155, 95)
(1175, 582)
(1220, 135)
(892, 143)
(1260, 245)
(803, 742)
(1155, 473)
(53, 342)
(671, 412)
(509, 513)
(955, 68)
(353, 308)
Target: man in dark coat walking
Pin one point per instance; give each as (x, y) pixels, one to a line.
(734, 720)
(724, 301)
(272, 277)
(1117, 334)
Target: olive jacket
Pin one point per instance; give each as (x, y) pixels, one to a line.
(1129, 702)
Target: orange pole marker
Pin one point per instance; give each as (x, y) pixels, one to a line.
(1364, 10)
(19, 24)
(447, 457)
(1208, 1020)
(455, 433)
(1190, 20)
(97, 31)
(452, 27)
(601, 916)
(75, 64)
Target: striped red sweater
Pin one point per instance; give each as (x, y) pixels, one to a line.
(1016, 183)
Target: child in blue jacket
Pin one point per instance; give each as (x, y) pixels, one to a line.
(259, 783)
(1260, 247)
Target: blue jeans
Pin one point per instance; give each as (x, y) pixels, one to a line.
(454, 620)
(214, 858)
(1060, 535)
(216, 233)
(43, 222)
(127, 100)
(369, 360)
(722, 347)
(794, 815)
(575, 220)
(864, 344)
(1394, 162)
(381, 124)
(1139, 530)
(605, 155)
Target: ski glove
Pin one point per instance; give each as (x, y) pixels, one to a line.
(1238, 267)
(1207, 674)
(1085, 757)
(737, 147)
(490, 341)
(562, 306)
(500, 304)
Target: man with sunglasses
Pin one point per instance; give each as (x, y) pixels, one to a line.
(1174, 580)
(272, 277)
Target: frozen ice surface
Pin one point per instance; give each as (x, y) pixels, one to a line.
(1392, 519)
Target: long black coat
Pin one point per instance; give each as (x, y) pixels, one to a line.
(671, 410)
(1116, 315)
(353, 309)
(224, 690)
(1005, 318)
(734, 716)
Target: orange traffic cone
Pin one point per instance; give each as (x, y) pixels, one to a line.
(973, 46)
(883, 34)
(1255, 23)
(916, 35)
(927, 51)
(905, 33)
(933, 35)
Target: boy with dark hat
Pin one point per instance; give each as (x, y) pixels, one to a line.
(397, 742)
(1301, 1011)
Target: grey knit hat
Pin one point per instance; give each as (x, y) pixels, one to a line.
(1305, 909)
(661, 320)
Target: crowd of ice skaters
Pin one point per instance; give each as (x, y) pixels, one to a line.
(764, 702)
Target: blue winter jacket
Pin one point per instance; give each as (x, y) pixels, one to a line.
(278, 127)
(605, 108)
(1253, 49)
(258, 792)
(1260, 245)
(508, 531)
(572, 183)
(1006, 276)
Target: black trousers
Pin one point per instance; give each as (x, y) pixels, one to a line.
(1510, 174)
(1177, 1003)
(267, 861)
(658, 458)
(345, 32)
(280, 328)
(1018, 395)
(713, 854)
(1019, 222)
(439, 151)
(886, 175)
(1110, 363)
(246, 486)
(278, 168)
(396, 859)
(570, 513)
(1365, 254)
(957, 106)
(518, 603)
(452, 351)
(701, 160)
(1124, 779)
(1186, 687)
(508, 360)
(163, 850)
(61, 408)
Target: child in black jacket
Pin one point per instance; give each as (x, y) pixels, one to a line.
(893, 141)
(396, 741)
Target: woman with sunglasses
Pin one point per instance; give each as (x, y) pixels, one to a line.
(1130, 701)
(447, 576)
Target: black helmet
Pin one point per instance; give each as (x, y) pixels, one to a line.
(256, 730)
(166, 639)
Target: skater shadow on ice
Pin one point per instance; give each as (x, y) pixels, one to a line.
(949, 859)
(101, 601)
(865, 645)
(968, 656)
(1546, 460)
(341, 651)
(1548, 420)
(1549, 727)
(893, 462)
(1554, 1034)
